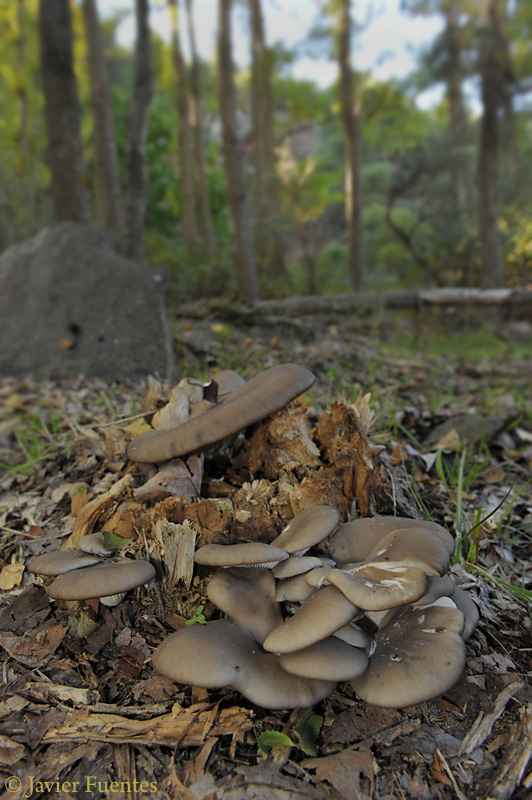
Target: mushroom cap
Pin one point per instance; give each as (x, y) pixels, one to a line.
(418, 655)
(60, 561)
(417, 548)
(221, 654)
(295, 565)
(437, 587)
(105, 579)
(355, 540)
(320, 615)
(307, 529)
(254, 400)
(93, 543)
(239, 555)
(328, 660)
(377, 589)
(227, 380)
(353, 635)
(469, 609)
(294, 590)
(247, 595)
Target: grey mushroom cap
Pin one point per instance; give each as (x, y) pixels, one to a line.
(102, 580)
(469, 609)
(329, 659)
(308, 529)
(220, 654)
(93, 543)
(318, 617)
(377, 589)
(247, 596)
(353, 635)
(254, 400)
(355, 540)
(417, 656)
(294, 590)
(61, 561)
(296, 565)
(411, 547)
(227, 380)
(239, 555)
(437, 587)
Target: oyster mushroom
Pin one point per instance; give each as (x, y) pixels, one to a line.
(105, 580)
(254, 400)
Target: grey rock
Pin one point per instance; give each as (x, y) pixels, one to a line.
(69, 304)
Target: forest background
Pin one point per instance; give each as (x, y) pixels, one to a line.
(252, 182)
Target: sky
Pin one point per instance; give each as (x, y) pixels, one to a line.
(385, 46)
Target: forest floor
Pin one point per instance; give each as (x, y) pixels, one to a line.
(82, 712)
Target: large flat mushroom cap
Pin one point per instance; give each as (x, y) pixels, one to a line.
(270, 686)
(210, 655)
(254, 400)
(102, 580)
(374, 589)
(221, 654)
(239, 555)
(419, 655)
(61, 561)
(410, 547)
(247, 595)
(307, 529)
(329, 659)
(354, 541)
(469, 609)
(320, 615)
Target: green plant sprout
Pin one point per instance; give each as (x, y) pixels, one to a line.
(304, 735)
(200, 617)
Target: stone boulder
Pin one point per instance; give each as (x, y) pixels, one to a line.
(69, 304)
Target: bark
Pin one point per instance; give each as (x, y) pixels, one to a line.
(490, 241)
(197, 138)
(512, 299)
(108, 193)
(461, 174)
(62, 113)
(351, 128)
(188, 199)
(138, 126)
(247, 278)
(267, 196)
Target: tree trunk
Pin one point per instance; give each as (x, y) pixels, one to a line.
(107, 189)
(266, 187)
(62, 113)
(188, 199)
(461, 174)
(248, 286)
(197, 138)
(351, 128)
(490, 242)
(138, 126)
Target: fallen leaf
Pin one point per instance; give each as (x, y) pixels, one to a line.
(11, 576)
(346, 770)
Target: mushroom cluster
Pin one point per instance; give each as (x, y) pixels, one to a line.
(91, 572)
(371, 604)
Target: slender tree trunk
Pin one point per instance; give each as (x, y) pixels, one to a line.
(22, 89)
(108, 193)
(188, 199)
(62, 113)
(461, 173)
(490, 242)
(351, 128)
(138, 126)
(197, 137)
(248, 285)
(267, 196)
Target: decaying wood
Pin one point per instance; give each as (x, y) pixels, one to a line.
(98, 509)
(483, 724)
(511, 772)
(368, 301)
(176, 551)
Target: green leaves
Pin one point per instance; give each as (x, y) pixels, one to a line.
(304, 735)
(198, 618)
(114, 542)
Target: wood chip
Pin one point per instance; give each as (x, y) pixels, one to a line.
(483, 724)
